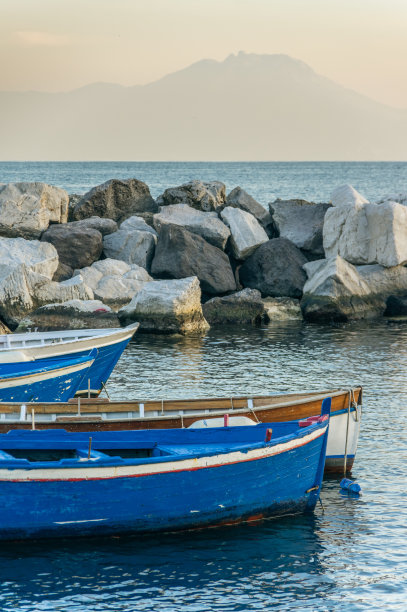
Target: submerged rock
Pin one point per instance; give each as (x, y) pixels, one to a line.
(243, 307)
(167, 306)
(282, 309)
(27, 209)
(73, 314)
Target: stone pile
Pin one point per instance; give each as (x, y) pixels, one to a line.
(195, 257)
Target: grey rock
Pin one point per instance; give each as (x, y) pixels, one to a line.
(137, 223)
(167, 306)
(204, 196)
(116, 200)
(243, 307)
(77, 247)
(36, 256)
(62, 273)
(133, 246)
(246, 232)
(205, 224)
(26, 209)
(301, 222)
(239, 198)
(275, 269)
(180, 254)
(102, 225)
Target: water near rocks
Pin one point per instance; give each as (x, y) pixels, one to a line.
(350, 555)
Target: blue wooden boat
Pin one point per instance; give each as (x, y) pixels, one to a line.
(56, 483)
(38, 381)
(110, 344)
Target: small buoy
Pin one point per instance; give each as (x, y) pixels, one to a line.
(349, 485)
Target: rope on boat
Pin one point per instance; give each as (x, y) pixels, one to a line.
(345, 460)
(105, 390)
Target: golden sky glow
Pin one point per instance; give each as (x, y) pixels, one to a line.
(58, 45)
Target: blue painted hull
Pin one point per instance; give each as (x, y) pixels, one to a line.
(101, 369)
(205, 493)
(48, 380)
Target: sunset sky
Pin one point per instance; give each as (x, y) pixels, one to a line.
(58, 45)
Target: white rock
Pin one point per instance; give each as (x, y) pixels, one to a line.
(52, 292)
(336, 291)
(205, 224)
(26, 209)
(367, 233)
(113, 281)
(167, 306)
(131, 246)
(137, 223)
(40, 257)
(247, 233)
(346, 195)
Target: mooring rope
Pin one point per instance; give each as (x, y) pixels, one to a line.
(350, 393)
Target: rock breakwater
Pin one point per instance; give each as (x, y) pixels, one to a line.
(195, 257)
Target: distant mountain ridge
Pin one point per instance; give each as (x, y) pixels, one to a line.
(247, 107)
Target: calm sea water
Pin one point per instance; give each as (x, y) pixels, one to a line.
(350, 555)
(265, 181)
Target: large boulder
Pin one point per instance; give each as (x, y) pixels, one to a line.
(36, 256)
(205, 224)
(167, 306)
(27, 209)
(115, 200)
(131, 245)
(301, 222)
(77, 246)
(346, 195)
(239, 198)
(246, 232)
(243, 307)
(367, 233)
(180, 254)
(73, 314)
(197, 194)
(396, 306)
(336, 291)
(275, 269)
(113, 282)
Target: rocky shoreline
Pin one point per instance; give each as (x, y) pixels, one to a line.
(195, 257)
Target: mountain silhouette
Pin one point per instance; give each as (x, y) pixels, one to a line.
(247, 107)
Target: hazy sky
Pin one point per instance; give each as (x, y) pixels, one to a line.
(57, 45)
